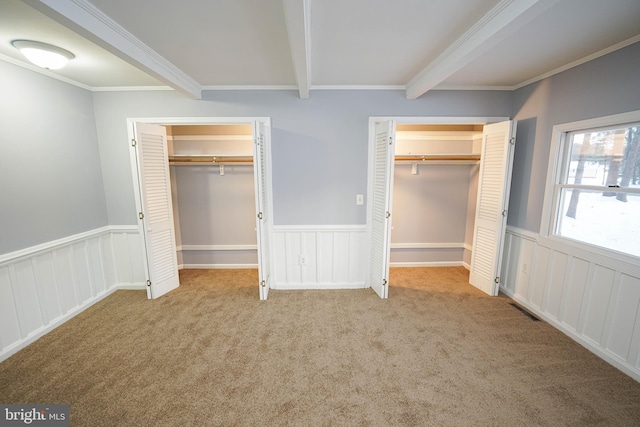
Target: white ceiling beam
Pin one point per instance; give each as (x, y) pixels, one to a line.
(297, 14)
(84, 18)
(501, 21)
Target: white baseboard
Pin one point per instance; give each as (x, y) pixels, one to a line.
(302, 286)
(132, 286)
(40, 332)
(593, 347)
(217, 266)
(216, 248)
(427, 264)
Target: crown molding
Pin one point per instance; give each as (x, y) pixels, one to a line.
(250, 87)
(89, 21)
(580, 61)
(42, 71)
(501, 20)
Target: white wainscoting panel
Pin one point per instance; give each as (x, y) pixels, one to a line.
(592, 298)
(43, 286)
(319, 257)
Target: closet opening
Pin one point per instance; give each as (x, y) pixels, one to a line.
(435, 186)
(203, 197)
(213, 196)
(438, 196)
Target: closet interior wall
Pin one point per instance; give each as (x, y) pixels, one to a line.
(213, 201)
(434, 200)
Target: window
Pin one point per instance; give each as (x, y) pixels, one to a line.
(596, 189)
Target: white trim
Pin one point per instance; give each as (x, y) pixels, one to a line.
(249, 87)
(216, 266)
(444, 87)
(426, 264)
(98, 258)
(131, 287)
(210, 137)
(410, 120)
(297, 15)
(525, 234)
(34, 250)
(473, 87)
(129, 88)
(428, 246)
(436, 120)
(217, 248)
(494, 26)
(314, 228)
(255, 122)
(438, 135)
(632, 371)
(618, 261)
(580, 61)
(122, 228)
(43, 71)
(310, 286)
(600, 188)
(358, 87)
(208, 120)
(554, 169)
(468, 246)
(99, 28)
(16, 346)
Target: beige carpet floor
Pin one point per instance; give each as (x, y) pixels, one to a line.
(437, 352)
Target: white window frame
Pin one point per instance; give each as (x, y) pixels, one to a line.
(557, 153)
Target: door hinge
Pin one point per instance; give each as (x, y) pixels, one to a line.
(259, 215)
(512, 141)
(263, 283)
(504, 212)
(149, 283)
(388, 214)
(497, 279)
(390, 140)
(384, 282)
(134, 142)
(140, 215)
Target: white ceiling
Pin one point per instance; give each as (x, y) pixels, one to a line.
(416, 45)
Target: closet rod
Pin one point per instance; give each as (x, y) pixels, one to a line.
(211, 160)
(432, 157)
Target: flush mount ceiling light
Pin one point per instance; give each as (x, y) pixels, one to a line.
(42, 54)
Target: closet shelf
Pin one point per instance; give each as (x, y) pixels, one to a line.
(439, 158)
(210, 160)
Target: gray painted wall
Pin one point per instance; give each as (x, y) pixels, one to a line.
(430, 207)
(50, 165)
(215, 209)
(319, 145)
(51, 182)
(605, 86)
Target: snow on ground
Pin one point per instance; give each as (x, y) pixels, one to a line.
(604, 221)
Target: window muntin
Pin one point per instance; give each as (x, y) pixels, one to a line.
(598, 191)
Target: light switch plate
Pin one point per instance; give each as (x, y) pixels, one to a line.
(359, 199)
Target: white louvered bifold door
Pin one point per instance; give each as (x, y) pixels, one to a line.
(491, 210)
(263, 214)
(381, 207)
(156, 214)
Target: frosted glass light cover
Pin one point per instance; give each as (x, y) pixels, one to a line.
(43, 55)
